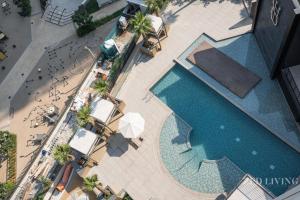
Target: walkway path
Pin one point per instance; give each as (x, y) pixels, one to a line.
(109, 9)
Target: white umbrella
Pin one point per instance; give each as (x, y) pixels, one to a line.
(131, 125)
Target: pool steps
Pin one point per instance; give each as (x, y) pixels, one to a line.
(189, 130)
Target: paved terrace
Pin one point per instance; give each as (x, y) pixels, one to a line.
(140, 172)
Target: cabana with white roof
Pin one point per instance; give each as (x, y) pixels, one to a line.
(102, 110)
(159, 30)
(83, 141)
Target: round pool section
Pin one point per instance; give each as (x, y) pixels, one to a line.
(206, 176)
(219, 129)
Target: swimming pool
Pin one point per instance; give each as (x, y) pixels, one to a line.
(219, 129)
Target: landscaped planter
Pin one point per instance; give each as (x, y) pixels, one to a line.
(149, 50)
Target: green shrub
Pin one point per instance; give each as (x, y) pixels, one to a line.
(84, 21)
(25, 8)
(45, 183)
(108, 18)
(83, 116)
(8, 143)
(61, 153)
(81, 17)
(90, 182)
(92, 6)
(12, 162)
(85, 29)
(114, 71)
(101, 87)
(6, 189)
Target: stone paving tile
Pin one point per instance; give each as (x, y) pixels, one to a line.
(146, 177)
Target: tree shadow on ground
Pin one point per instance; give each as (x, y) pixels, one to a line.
(207, 2)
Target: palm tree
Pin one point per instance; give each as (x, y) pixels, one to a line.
(154, 6)
(82, 18)
(89, 183)
(45, 182)
(163, 3)
(7, 143)
(83, 116)
(141, 24)
(6, 189)
(101, 87)
(62, 153)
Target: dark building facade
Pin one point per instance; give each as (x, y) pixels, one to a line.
(277, 31)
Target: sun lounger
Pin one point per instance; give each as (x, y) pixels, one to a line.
(136, 142)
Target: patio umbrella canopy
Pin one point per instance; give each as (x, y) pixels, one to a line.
(131, 125)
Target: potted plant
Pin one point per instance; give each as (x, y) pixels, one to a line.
(93, 184)
(89, 183)
(101, 87)
(142, 26)
(149, 48)
(45, 185)
(6, 189)
(155, 6)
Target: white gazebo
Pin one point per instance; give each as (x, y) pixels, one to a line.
(102, 110)
(83, 141)
(156, 23)
(159, 30)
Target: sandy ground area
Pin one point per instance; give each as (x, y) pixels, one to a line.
(3, 171)
(52, 82)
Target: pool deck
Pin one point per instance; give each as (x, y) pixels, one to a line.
(141, 172)
(265, 102)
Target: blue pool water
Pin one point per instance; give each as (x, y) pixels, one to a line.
(219, 129)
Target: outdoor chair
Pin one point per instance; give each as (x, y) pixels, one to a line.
(136, 142)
